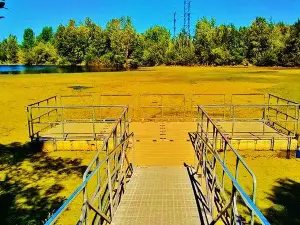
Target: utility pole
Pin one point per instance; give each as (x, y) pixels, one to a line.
(174, 24)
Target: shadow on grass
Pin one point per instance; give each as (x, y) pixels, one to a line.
(24, 174)
(286, 200)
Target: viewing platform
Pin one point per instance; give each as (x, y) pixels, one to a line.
(158, 161)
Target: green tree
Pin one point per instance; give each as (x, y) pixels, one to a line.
(258, 42)
(28, 39)
(291, 51)
(121, 34)
(97, 41)
(138, 48)
(44, 53)
(27, 57)
(181, 51)
(12, 49)
(46, 35)
(157, 41)
(3, 51)
(71, 42)
(204, 40)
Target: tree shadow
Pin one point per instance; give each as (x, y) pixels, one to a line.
(30, 183)
(286, 200)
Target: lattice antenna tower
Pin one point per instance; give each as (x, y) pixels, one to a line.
(187, 17)
(174, 24)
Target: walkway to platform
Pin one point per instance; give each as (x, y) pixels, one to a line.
(158, 195)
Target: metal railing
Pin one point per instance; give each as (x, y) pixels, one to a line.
(162, 107)
(106, 185)
(42, 118)
(267, 114)
(104, 179)
(225, 195)
(276, 100)
(36, 118)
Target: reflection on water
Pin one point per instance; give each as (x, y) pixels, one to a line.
(21, 69)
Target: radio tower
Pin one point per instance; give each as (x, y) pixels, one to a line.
(174, 24)
(187, 17)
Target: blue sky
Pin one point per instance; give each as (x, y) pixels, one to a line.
(37, 13)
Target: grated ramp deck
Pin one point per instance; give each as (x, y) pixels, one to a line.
(158, 195)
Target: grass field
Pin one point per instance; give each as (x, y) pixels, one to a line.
(33, 183)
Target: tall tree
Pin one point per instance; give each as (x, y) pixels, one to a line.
(12, 49)
(46, 35)
(3, 51)
(121, 34)
(291, 51)
(96, 43)
(44, 53)
(157, 41)
(258, 41)
(71, 42)
(181, 51)
(204, 40)
(28, 39)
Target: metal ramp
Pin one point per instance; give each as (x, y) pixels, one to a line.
(158, 195)
(160, 172)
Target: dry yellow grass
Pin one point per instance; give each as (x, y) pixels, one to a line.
(29, 176)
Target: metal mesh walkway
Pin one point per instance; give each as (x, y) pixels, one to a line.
(158, 195)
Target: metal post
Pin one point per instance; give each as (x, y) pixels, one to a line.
(269, 102)
(48, 113)
(62, 123)
(85, 200)
(110, 189)
(94, 128)
(162, 111)
(277, 110)
(224, 161)
(264, 120)
(233, 118)
(99, 185)
(287, 113)
(56, 109)
(184, 107)
(30, 123)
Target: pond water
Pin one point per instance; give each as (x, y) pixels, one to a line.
(21, 69)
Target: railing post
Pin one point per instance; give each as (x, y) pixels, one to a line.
(287, 113)
(62, 122)
(224, 161)
(109, 185)
(99, 185)
(264, 119)
(56, 110)
(30, 123)
(85, 200)
(94, 128)
(233, 120)
(162, 106)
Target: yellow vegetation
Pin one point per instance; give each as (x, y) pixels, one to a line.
(38, 179)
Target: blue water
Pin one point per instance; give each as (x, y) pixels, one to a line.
(21, 69)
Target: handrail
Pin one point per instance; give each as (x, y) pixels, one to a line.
(79, 107)
(65, 205)
(211, 145)
(283, 99)
(44, 100)
(105, 142)
(233, 149)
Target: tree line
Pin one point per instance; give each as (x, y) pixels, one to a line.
(118, 45)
